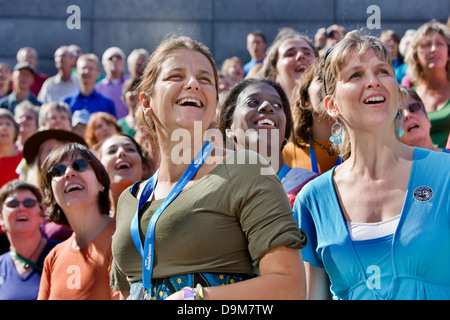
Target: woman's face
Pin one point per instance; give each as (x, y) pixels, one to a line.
(76, 185)
(20, 213)
(432, 51)
(294, 56)
(366, 93)
(258, 114)
(7, 131)
(103, 129)
(122, 160)
(416, 125)
(184, 92)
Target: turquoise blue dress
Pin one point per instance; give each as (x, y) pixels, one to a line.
(411, 264)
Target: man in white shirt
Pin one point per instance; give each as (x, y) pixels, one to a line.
(64, 82)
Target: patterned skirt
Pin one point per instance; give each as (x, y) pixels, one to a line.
(162, 288)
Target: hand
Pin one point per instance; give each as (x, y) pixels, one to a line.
(179, 295)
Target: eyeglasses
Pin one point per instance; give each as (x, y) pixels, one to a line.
(28, 203)
(413, 107)
(78, 165)
(117, 57)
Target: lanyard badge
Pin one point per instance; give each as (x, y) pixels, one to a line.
(147, 250)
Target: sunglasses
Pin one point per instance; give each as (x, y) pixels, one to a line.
(78, 165)
(413, 107)
(117, 57)
(28, 203)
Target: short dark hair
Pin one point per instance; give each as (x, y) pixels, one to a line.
(258, 33)
(15, 185)
(72, 151)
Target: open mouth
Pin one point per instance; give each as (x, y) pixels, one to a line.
(266, 123)
(190, 102)
(300, 68)
(123, 165)
(413, 127)
(22, 219)
(73, 187)
(375, 100)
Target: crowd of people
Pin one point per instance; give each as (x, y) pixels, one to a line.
(318, 169)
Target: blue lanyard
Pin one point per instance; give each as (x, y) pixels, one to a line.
(283, 172)
(147, 251)
(312, 155)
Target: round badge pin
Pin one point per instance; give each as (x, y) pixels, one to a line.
(423, 193)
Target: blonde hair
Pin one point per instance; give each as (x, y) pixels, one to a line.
(415, 70)
(334, 62)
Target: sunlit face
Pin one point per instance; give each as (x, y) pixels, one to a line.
(64, 60)
(366, 92)
(294, 56)
(115, 63)
(87, 71)
(121, 160)
(433, 51)
(416, 125)
(76, 187)
(22, 219)
(184, 92)
(259, 108)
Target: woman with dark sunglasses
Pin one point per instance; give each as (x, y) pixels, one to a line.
(76, 189)
(21, 216)
(416, 124)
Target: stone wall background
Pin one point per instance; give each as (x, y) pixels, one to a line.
(222, 25)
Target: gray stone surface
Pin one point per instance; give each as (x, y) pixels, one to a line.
(221, 24)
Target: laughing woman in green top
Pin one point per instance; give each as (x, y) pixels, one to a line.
(229, 226)
(428, 61)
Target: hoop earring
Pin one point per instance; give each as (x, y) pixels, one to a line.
(399, 128)
(336, 133)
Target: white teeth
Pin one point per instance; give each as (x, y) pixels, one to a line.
(374, 99)
(73, 187)
(190, 101)
(266, 121)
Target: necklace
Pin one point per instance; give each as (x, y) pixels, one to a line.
(27, 262)
(329, 150)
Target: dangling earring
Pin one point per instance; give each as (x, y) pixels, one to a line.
(336, 133)
(398, 127)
